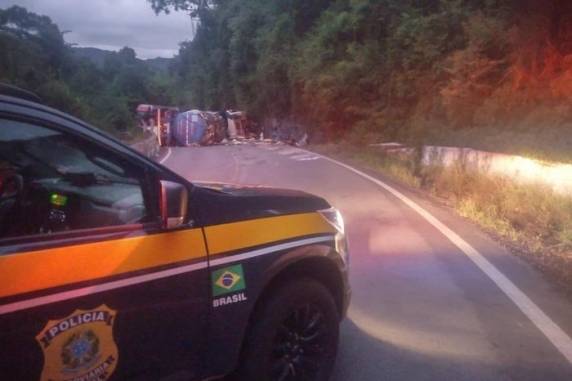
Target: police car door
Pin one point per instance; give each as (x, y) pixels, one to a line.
(92, 286)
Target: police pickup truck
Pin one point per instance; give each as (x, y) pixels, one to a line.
(112, 267)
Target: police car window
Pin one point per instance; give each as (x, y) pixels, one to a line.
(53, 182)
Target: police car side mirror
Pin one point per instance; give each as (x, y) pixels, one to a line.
(174, 204)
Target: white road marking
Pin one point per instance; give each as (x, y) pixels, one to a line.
(303, 157)
(296, 153)
(270, 147)
(549, 328)
(287, 151)
(163, 160)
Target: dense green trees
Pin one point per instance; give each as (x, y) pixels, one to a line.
(407, 69)
(35, 56)
(400, 69)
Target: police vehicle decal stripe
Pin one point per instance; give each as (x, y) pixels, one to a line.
(268, 250)
(244, 234)
(49, 268)
(55, 267)
(84, 291)
(35, 302)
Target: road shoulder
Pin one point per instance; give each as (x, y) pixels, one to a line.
(540, 298)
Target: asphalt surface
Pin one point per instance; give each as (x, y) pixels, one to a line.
(421, 308)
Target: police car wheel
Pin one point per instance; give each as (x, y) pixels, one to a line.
(294, 335)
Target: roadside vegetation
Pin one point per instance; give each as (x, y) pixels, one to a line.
(487, 74)
(35, 56)
(531, 220)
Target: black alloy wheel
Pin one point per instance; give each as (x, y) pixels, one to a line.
(293, 336)
(301, 345)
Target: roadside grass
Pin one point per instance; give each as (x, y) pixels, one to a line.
(526, 213)
(397, 169)
(531, 219)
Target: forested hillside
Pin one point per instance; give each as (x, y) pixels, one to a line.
(492, 72)
(101, 87)
(407, 69)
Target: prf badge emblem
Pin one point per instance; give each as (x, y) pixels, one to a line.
(79, 347)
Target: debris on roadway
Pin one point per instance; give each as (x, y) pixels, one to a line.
(204, 128)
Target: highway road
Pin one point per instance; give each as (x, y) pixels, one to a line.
(434, 297)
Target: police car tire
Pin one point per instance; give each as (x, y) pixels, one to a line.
(270, 315)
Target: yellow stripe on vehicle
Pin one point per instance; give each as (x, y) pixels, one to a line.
(240, 235)
(37, 270)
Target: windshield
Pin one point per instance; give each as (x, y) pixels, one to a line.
(49, 154)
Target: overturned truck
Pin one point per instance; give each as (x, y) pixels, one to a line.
(193, 127)
(158, 120)
(197, 127)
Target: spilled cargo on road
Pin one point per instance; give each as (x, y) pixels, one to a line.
(194, 127)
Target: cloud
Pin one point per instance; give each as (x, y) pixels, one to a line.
(113, 24)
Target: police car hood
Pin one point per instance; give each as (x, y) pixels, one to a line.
(219, 203)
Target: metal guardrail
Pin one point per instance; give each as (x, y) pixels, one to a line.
(557, 176)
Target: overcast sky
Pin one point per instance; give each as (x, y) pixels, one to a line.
(113, 24)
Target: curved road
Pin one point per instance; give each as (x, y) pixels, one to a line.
(433, 297)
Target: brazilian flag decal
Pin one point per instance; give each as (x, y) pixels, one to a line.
(227, 280)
